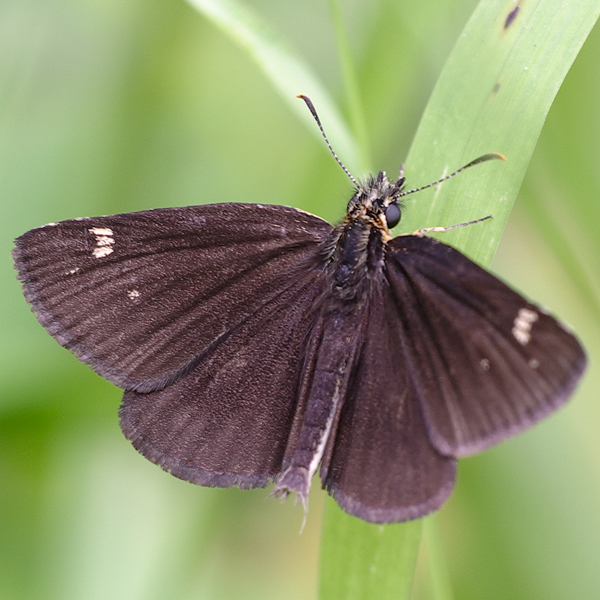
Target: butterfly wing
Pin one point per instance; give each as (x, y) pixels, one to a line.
(381, 465)
(141, 296)
(228, 421)
(486, 362)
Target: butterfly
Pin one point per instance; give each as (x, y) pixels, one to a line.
(258, 343)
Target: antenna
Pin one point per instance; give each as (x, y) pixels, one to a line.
(313, 111)
(484, 158)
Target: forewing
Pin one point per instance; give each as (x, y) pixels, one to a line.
(486, 363)
(381, 466)
(141, 296)
(228, 421)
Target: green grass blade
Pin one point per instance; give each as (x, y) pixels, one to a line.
(492, 96)
(287, 71)
(438, 569)
(361, 560)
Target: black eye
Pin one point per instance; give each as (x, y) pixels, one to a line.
(392, 215)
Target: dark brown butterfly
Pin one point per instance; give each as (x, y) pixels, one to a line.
(255, 343)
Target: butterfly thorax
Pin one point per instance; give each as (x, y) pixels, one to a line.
(357, 252)
(355, 249)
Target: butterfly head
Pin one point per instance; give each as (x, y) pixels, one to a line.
(377, 202)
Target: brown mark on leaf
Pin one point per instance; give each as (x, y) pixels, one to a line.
(512, 15)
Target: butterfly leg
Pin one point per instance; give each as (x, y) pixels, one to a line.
(421, 232)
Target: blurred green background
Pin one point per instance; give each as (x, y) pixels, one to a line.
(112, 107)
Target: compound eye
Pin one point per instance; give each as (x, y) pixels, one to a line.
(392, 215)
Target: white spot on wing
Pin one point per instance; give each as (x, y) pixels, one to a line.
(72, 271)
(102, 231)
(104, 241)
(522, 325)
(133, 294)
(484, 363)
(101, 252)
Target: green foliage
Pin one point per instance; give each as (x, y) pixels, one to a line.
(119, 106)
(362, 560)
